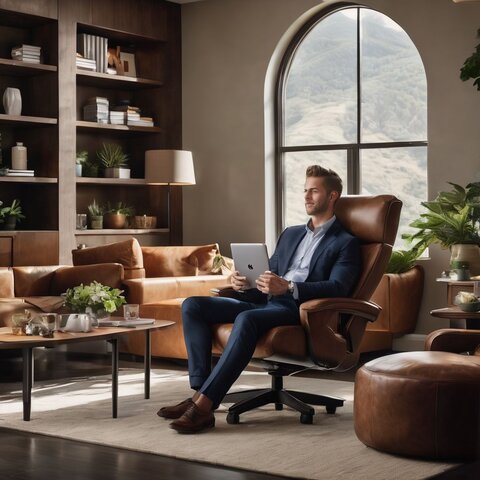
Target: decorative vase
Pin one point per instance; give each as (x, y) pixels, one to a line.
(10, 223)
(114, 220)
(78, 169)
(468, 253)
(12, 101)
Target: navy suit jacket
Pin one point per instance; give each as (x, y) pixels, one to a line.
(335, 265)
(333, 271)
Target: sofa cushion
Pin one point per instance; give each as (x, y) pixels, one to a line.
(110, 274)
(128, 253)
(183, 261)
(6, 283)
(33, 281)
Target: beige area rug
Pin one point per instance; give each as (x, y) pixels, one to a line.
(266, 440)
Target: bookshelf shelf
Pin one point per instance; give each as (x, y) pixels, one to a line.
(17, 68)
(102, 80)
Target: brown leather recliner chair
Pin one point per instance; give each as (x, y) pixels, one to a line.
(331, 328)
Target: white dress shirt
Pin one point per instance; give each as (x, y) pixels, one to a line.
(300, 265)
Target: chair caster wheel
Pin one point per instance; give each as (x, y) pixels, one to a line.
(330, 409)
(306, 418)
(278, 406)
(233, 418)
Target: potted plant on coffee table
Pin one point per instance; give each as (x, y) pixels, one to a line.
(95, 299)
(452, 221)
(113, 160)
(116, 217)
(10, 216)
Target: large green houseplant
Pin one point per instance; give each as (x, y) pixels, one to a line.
(471, 66)
(451, 219)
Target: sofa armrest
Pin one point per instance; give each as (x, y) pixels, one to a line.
(153, 290)
(110, 274)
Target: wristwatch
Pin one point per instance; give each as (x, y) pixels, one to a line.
(291, 287)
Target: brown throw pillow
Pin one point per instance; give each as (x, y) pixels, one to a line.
(179, 261)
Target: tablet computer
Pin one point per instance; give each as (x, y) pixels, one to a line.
(251, 260)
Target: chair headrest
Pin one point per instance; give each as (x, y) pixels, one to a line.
(370, 218)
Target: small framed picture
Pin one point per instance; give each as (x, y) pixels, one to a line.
(128, 62)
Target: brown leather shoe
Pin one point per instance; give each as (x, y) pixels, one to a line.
(175, 411)
(194, 420)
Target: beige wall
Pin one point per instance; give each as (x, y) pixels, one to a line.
(227, 48)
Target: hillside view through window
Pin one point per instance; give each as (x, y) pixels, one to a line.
(354, 99)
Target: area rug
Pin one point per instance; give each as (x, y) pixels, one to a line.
(266, 440)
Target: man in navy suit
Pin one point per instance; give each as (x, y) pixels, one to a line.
(319, 259)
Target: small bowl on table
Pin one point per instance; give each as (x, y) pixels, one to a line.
(470, 306)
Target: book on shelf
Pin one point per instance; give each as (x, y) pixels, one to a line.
(94, 47)
(20, 173)
(97, 101)
(125, 108)
(140, 123)
(27, 48)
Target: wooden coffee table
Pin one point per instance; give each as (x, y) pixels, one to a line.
(110, 334)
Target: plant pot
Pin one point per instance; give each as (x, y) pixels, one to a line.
(114, 220)
(117, 173)
(10, 223)
(467, 253)
(96, 222)
(78, 169)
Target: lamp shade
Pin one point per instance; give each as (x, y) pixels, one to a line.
(169, 167)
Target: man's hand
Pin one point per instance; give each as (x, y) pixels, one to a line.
(239, 283)
(272, 284)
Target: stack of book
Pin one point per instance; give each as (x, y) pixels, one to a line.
(86, 63)
(96, 110)
(131, 116)
(141, 122)
(20, 173)
(117, 118)
(26, 53)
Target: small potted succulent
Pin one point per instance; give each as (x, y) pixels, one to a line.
(95, 212)
(113, 160)
(11, 215)
(116, 217)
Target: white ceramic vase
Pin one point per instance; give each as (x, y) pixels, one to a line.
(12, 101)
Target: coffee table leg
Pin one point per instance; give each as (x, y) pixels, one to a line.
(114, 343)
(147, 362)
(27, 382)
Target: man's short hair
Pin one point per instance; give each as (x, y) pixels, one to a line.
(332, 180)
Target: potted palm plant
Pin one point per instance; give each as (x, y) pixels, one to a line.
(113, 160)
(11, 215)
(116, 217)
(452, 221)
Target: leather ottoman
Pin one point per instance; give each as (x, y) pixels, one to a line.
(421, 404)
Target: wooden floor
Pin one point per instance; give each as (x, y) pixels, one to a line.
(26, 456)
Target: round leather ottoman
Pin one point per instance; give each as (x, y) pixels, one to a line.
(422, 404)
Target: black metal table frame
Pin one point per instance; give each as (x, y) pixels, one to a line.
(28, 364)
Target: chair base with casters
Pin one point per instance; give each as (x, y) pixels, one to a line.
(249, 399)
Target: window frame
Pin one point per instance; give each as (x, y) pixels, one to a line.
(353, 150)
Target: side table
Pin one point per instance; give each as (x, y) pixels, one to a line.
(458, 318)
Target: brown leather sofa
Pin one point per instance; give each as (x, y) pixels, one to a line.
(159, 279)
(423, 404)
(38, 289)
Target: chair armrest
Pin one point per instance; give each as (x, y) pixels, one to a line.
(154, 290)
(453, 340)
(367, 310)
(335, 328)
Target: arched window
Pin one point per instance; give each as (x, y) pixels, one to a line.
(352, 97)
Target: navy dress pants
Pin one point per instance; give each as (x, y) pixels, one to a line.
(250, 322)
